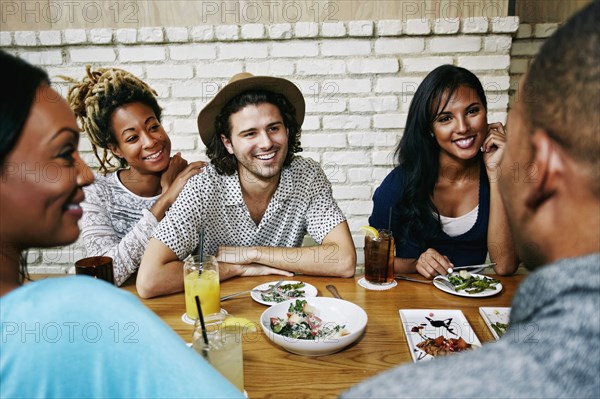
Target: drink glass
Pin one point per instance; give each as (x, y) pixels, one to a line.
(100, 267)
(224, 349)
(202, 279)
(379, 258)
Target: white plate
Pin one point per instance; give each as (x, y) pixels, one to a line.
(453, 323)
(331, 311)
(494, 315)
(484, 293)
(309, 291)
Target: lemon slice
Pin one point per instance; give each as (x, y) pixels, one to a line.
(234, 323)
(371, 231)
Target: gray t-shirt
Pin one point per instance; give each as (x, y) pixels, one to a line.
(303, 203)
(116, 223)
(550, 350)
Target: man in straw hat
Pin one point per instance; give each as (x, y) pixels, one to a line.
(552, 347)
(256, 200)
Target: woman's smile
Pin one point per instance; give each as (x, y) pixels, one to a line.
(465, 142)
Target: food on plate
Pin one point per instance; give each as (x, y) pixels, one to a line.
(303, 323)
(284, 292)
(499, 328)
(471, 283)
(442, 346)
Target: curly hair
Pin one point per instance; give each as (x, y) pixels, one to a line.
(225, 162)
(96, 97)
(418, 151)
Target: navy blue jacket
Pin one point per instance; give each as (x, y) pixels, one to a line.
(466, 249)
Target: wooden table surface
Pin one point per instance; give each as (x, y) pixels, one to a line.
(271, 372)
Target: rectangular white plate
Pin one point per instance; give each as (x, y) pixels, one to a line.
(494, 315)
(435, 322)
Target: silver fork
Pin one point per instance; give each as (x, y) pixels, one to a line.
(446, 283)
(226, 297)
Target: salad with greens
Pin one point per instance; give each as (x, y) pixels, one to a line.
(284, 292)
(303, 323)
(471, 283)
(499, 328)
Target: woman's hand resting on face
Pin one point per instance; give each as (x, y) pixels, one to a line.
(494, 145)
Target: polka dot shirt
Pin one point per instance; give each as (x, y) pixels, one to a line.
(303, 203)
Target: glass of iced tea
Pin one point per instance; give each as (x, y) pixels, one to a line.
(202, 279)
(100, 267)
(379, 258)
(224, 349)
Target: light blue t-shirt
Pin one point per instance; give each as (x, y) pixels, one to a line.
(79, 337)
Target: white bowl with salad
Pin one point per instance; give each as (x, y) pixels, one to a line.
(314, 326)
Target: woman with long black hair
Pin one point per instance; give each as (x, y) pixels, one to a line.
(442, 201)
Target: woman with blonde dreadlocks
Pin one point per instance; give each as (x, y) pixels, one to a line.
(139, 179)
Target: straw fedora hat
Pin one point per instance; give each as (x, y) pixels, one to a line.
(240, 83)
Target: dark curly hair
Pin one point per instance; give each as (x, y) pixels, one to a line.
(95, 98)
(225, 162)
(418, 151)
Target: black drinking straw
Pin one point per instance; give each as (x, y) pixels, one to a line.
(390, 230)
(201, 317)
(201, 249)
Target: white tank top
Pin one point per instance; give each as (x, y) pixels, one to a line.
(460, 225)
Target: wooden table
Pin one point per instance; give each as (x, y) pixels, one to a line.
(271, 372)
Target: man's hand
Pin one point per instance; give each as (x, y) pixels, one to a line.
(228, 270)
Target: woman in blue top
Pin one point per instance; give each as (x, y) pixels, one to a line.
(85, 338)
(442, 200)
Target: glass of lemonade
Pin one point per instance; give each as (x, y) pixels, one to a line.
(202, 279)
(224, 350)
(379, 258)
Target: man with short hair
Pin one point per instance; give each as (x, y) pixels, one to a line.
(256, 200)
(552, 347)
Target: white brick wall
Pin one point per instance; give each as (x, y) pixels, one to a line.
(72, 36)
(294, 49)
(345, 47)
(455, 44)
(389, 27)
(529, 38)
(93, 55)
(142, 54)
(358, 78)
(306, 29)
(101, 36)
(192, 52)
(126, 36)
(25, 38)
(6, 38)
(49, 37)
(44, 57)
